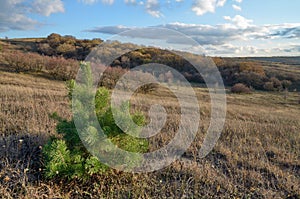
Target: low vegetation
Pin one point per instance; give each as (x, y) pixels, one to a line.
(56, 67)
(254, 73)
(257, 155)
(68, 158)
(240, 88)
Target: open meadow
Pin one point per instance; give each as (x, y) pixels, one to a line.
(257, 155)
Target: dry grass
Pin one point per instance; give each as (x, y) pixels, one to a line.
(27, 101)
(25, 105)
(257, 156)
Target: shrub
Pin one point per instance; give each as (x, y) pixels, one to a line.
(286, 84)
(273, 85)
(111, 76)
(276, 83)
(65, 48)
(58, 67)
(252, 67)
(45, 49)
(54, 40)
(269, 86)
(68, 158)
(16, 61)
(250, 79)
(240, 88)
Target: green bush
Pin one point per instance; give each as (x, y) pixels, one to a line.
(68, 158)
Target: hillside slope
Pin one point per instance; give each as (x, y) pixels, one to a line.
(257, 155)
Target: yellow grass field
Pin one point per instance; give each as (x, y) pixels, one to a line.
(257, 156)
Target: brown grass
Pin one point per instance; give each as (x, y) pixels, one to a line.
(257, 155)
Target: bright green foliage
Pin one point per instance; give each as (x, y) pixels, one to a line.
(70, 86)
(68, 158)
(107, 121)
(129, 143)
(101, 100)
(57, 158)
(93, 165)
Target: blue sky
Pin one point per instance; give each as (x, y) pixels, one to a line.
(222, 27)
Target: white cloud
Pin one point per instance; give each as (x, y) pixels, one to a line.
(239, 37)
(236, 7)
(221, 3)
(200, 7)
(46, 8)
(110, 2)
(238, 29)
(238, 1)
(90, 2)
(236, 50)
(153, 8)
(111, 29)
(240, 21)
(14, 14)
(130, 2)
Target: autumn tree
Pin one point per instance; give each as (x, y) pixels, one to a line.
(252, 67)
(54, 40)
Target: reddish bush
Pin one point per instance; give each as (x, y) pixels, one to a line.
(240, 88)
(61, 69)
(58, 67)
(111, 76)
(23, 62)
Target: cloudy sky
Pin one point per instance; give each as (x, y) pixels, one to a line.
(221, 27)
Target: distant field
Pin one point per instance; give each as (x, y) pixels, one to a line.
(257, 155)
(282, 60)
(280, 67)
(20, 44)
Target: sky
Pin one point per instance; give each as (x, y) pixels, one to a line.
(221, 27)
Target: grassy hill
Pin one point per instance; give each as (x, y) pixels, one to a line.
(257, 155)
